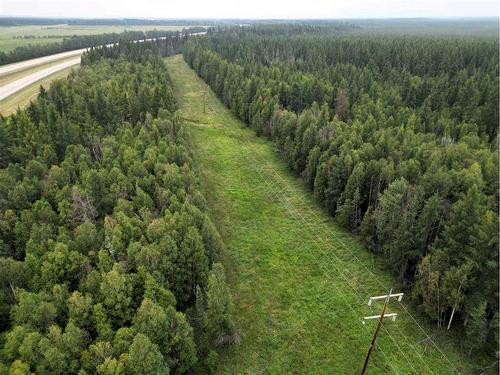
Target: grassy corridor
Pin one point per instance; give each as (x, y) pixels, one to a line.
(300, 284)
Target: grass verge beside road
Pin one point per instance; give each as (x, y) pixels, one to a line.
(22, 98)
(8, 78)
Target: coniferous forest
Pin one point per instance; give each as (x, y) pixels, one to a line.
(396, 135)
(108, 256)
(110, 259)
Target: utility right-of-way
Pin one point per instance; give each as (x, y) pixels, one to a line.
(300, 293)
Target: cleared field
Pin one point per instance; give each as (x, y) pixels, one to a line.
(23, 97)
(300, 284)
(14, 36)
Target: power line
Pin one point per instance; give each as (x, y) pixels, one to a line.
(338, 259)
(273, 188)
(359, 262)
(291, 208)
(341, 273)
(331, 261)
(377, 329)
(380, 283)
(354, 289)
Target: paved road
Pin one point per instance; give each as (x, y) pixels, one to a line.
(22, 65)
(21, 83)
(17, 85)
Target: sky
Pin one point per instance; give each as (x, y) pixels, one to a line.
(288, 9)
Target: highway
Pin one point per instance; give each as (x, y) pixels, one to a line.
(17, 85)
(25, 81)
(22, 65)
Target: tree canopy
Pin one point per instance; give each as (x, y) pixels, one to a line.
(396, 135)
(104, 238)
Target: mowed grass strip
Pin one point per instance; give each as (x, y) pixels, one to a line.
(22, 98)
(300, 284)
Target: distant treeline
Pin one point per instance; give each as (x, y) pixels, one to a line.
(83, 41)
(397, 136)
(274, 28)
(22, 21)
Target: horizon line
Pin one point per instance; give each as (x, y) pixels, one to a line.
(256, 18)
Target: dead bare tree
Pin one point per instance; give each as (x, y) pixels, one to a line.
(82, 207)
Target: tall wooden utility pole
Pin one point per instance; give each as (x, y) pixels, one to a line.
(380, 322)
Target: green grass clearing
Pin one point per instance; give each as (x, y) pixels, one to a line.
(300, 294)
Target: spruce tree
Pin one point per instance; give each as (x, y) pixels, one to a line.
(220, 324)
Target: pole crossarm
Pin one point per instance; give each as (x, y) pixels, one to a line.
(380, 318)
(387, 296)
(391, 315)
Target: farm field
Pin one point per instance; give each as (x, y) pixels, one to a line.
(300, 284)
(8, 43)
(22, 98)
(17, 36)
